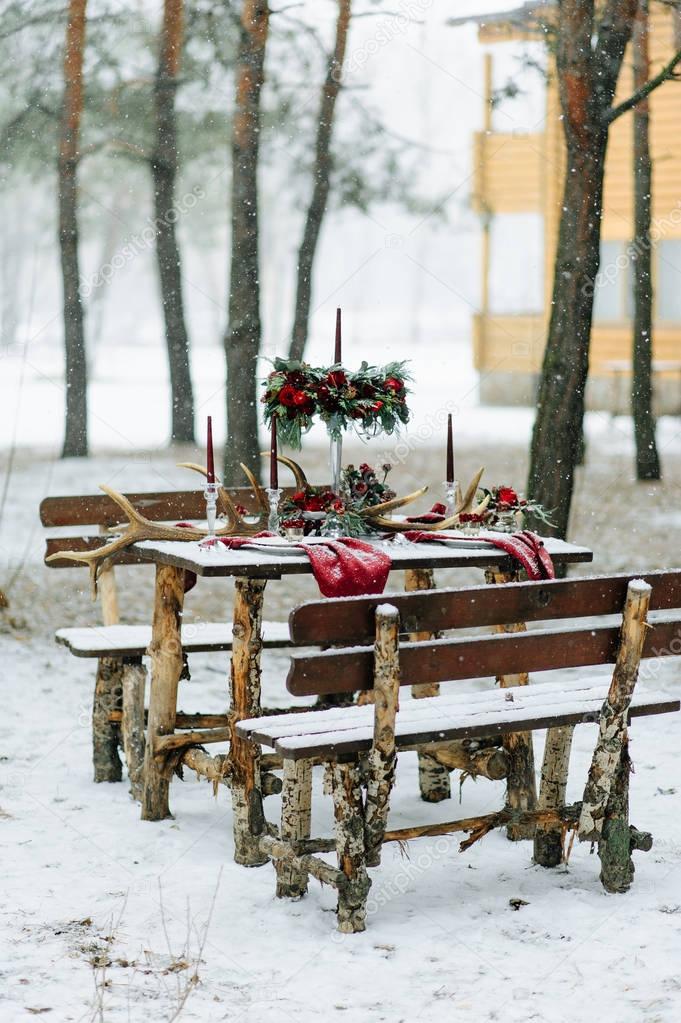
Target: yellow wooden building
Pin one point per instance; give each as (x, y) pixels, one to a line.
(518, 178)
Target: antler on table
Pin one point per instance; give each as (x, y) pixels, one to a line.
(141, 528)
(298, 474)
(464, 505)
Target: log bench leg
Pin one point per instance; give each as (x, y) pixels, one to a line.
(521, 789)
(548, 841)
(166, 668)
(105, 733)
(434, 781)
(132, 723)
(349, 815)
(244, 688)
(296, 814)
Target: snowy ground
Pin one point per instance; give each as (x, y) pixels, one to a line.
(108, 918)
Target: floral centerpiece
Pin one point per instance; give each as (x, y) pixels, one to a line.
(372, 399)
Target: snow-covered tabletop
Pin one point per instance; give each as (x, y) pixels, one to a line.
(220, 561)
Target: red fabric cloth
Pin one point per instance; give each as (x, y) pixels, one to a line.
(345, 567)
(526, 548)
(436, 514)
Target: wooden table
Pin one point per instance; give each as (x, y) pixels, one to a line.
(251, 570)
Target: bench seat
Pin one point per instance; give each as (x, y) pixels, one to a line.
(134, 640)
(341, 730)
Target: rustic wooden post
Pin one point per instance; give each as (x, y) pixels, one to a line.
(296, 812)
(606, 794)
(521, 787)
(434, 781)
(133, 681)
(166, 668)
(107, 694)
(349, 813)
(382, 760)
(249, 820)
(548, 841)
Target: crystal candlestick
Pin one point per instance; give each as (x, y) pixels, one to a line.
(211, 495)
(335, 459)
(273, 496)
(451, 491)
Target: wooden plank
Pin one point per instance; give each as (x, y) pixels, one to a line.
(349, 742)
(352, 621)
(161, 506)
(347, 671)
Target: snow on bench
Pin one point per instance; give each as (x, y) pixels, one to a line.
(459, 716)
(134, 640)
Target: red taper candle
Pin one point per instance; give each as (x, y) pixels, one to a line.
(274, 465)
(210, 460)
(337, 356)
(450, 451)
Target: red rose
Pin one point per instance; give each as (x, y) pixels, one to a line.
(377, 406)
(507, 495)
(338, 505)
(300, 398)
(287, 395)
(361, 487)
(298, 497)
(366, 470)
(336, 378)
(322, 392)
(315, 502)
(393, 384)
(296, 378)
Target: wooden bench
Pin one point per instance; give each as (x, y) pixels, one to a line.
(359, 743)
(118, 707)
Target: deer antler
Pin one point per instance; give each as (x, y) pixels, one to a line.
(140, 528)
(395, 502)
(298, 474)
(465, 504)
(226, 505)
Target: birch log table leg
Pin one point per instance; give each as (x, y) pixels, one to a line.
(166, 668)
(434, 781)
(296, 813)
(244, 688)
(107, 695)
(521, 789)
(548, 841)
(133, 681)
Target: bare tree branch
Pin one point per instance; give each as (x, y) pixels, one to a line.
(664, 75)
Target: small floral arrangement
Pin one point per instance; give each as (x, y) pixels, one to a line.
(373, 399)
(506, 510)
(363, 487)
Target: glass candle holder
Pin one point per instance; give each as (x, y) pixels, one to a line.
(211, 495)
(273, 497)
(451, 488)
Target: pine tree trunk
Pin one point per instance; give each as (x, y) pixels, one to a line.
(164, 174)
(242, 340)
(557, 434)
(589, 55)
(321, 177)
(647, 460)
(75, 434)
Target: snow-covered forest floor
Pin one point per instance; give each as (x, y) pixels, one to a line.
(108, 918)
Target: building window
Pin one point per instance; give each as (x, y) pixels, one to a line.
(516, 266)
(668, 283)
(612, 295)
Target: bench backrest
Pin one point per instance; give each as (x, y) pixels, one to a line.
(350, 625)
